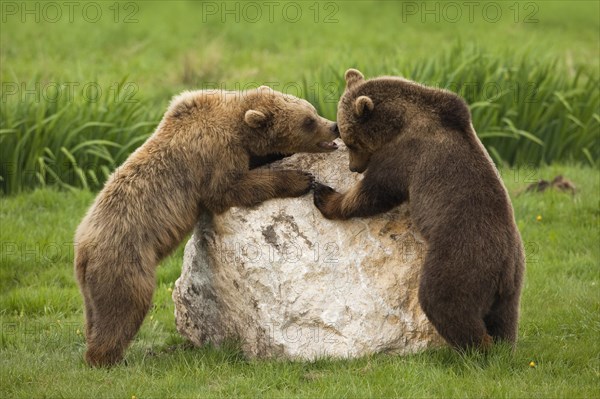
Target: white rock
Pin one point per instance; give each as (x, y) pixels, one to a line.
(288, 283)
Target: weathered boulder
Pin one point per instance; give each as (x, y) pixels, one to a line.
(288, 283)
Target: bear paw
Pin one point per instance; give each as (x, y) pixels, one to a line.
(297, 183)
(322, 198)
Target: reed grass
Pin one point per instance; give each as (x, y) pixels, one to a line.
(527, 112)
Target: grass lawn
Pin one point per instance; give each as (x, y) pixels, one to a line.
(41, 347)
(165, 47)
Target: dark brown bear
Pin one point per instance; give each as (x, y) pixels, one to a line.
(196, 162)
(417, 144)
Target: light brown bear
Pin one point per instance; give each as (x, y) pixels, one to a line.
(197, 161)
(418, 144)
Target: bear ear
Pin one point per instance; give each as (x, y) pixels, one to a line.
(363, 106)
(255, 119)
(353, 76)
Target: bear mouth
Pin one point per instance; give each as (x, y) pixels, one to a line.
(328, 145)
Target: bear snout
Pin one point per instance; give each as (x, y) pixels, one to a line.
(357, 169)
(335, 129)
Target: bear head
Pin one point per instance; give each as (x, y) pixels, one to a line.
(283, 123)
(373, 113)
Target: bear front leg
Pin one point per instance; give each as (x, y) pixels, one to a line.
(292, 183)
(361, 201)
(259, 185)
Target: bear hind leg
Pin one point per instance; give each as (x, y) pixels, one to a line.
(503, 318)
(118, 312)
(89, 313)
(80, 271)
(462, 330)
(458, 320)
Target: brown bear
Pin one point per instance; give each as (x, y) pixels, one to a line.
(417, 144)
(196, 162)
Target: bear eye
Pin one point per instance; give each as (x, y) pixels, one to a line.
(309, 123)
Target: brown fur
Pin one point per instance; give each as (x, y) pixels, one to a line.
(418, 144)
(197, 161)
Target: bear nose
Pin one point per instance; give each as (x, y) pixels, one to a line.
(335, 129)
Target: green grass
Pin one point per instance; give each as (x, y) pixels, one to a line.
(41, 348)
(69, 144)
(533, 105)
(50, 149)
(175, 45)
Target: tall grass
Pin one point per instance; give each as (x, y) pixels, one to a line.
(525, 111)
(68, 142)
